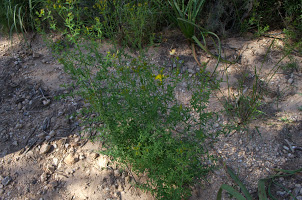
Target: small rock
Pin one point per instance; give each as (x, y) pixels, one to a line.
(116, 173)
(54, 184)
(93, 155)
(46, 102)
(1, 191)
(77, 139)
(19, 106)
(82, 156)
(41, 135)
(19, 126)
(216, 125)
(47, 138)
(102, 162)
(15, 143)
(301, 191)
(71, 159)
(52, 133)
(286, 148)
(29, 154)
(124, 175)
(1, 186)
(36, 55)
(6, 180)
(45, 148)
(55, 161)
(43, 177)
(299, 197)
(280, 193)
(290, 81)
(75, 144)
(51, 169)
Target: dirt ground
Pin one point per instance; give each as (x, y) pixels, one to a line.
(43, 154)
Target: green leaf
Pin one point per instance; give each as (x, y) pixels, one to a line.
(231, 191)
(237, 180)
(261, 189)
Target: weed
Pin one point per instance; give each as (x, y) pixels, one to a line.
(290, 67)
(144, 126)
(262, 191)
(18, 15)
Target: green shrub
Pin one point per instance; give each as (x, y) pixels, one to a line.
(132, 23)
(140, 120)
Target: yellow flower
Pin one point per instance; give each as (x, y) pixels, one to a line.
(159, 77)
(172, 52)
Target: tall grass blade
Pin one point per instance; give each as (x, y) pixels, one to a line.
(261, 190)
(237, 180)
(231, 191)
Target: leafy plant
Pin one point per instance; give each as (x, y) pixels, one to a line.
(263, 193)
(144, 126)
(186, 13)
(189, 11)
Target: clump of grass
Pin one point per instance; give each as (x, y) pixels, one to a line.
(18, 15)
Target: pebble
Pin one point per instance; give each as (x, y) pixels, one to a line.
(299, 197)
(29, 154)
(71, 159)
(46, 102)
(47, 138)
(19, 106)
(286, 148)
(45, 148)
(116, 172)
(50, 168)
(280, 193)
(93, 155)
(43, 177)
(15, 143)
(36, 55)
(55, 161)
(82, 156)
(290, 81)
(41, 135)
(52, 133)
(102, 162)
(1, 191)
(19, 126)
(6, 180)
